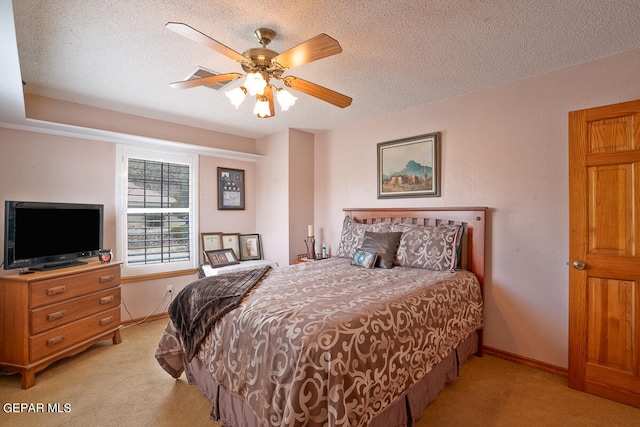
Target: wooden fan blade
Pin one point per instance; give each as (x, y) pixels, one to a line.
(313, 49)
(327, 95)
(268, 91)
(186, 84)
(197, 36)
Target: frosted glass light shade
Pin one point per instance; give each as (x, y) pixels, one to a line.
(262, 108)
(285, 99)
(255, 84)
(236, 96)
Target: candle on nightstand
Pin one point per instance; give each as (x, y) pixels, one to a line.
(310, 231)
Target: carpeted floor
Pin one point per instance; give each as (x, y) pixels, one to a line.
(124, 386)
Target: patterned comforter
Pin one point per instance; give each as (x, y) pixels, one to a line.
(330, 344)
(202, 303)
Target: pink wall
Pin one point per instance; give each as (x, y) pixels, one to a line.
(226, 221)
(301, 151)
(505, 148)
(57, 111)
(43, 167)
(272, 197)
(36, 167)
(285, 193)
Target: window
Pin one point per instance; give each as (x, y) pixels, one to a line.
(157, 204)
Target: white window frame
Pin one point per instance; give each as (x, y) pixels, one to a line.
(123, 154)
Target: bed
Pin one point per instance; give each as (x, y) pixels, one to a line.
(344, 342)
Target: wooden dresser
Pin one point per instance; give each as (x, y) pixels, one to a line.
(47, 316)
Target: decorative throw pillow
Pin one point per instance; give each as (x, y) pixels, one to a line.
(431, 247)
(386, 244)
(353, 233)
(364, 259)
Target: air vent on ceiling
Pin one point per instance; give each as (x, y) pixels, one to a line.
(200, 72)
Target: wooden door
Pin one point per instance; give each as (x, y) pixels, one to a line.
(604, 240)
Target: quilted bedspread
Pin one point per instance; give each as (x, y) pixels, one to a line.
(329, 344)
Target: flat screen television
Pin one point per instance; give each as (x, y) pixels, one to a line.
(46, 236)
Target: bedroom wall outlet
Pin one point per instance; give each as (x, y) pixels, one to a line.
(170, 289)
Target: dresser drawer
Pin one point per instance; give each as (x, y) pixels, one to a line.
(63, 337)
(54, 315)
(59, 289)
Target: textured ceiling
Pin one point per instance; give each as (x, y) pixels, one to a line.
(396, 55)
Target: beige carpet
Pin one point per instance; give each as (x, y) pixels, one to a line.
(123, 385)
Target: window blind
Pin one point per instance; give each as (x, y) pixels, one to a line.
(158, 212)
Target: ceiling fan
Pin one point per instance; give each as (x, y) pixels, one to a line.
(262, 66)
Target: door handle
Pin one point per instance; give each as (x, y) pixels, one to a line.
(579, 265)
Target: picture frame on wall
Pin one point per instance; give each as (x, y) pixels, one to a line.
(230, 189)
(210, 242)
(409, 167)
(250, 247)
(221, 257)
(231, 241)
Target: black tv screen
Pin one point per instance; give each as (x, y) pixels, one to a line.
(42, 236)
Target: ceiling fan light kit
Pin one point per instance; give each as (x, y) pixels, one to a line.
(263, 65)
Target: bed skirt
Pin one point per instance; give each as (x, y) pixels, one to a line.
(231, 411)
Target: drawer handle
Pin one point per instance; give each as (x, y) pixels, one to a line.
(105, 279)
(53, 341)
(106, 320)
(57, 290)
(106, 300)
(57, 315)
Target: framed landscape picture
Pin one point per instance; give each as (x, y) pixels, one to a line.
(221, 257)
(230, 188)
(409, 167)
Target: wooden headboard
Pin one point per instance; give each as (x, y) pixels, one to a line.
(471, 218)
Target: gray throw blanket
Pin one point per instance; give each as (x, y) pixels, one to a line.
(200, 304)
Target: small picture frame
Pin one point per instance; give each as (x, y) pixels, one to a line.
(250, 247)
(221, 257)
(210, 242)
(231, 241)
(230, 189)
